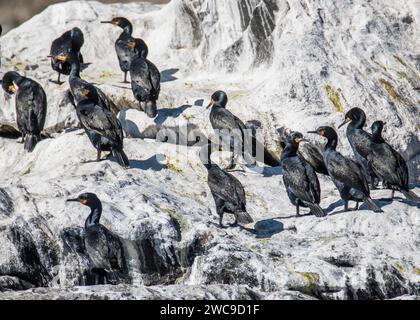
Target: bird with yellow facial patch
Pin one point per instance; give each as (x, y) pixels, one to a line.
(31, 107)
(346, 174)
(300, 179)
(128, 48)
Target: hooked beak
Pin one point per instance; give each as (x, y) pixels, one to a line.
(348, 120)
(316, 132)
(212, 102)
(72, 200)
(107, 22)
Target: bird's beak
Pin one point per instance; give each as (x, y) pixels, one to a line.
(212, 102)
(107, 22)
(72, 200)
(50, 56)
(11, 88)
(63, 58)
(348, 120)
(132, 45)
(316, 132)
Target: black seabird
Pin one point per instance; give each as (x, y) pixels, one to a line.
(360, 140)
(127, 47)
(389, 165)
(104, 249)
(228, 192)
(31, 107)
(70, 41)
(299, 177)
(103, 129)
(231, 130)
(346, 174)
(307, 151)
(145, 84)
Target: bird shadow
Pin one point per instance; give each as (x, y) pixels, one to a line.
(151, 163)
(168, 75)
(267, 228)
(130, 128)
(164, 114)
(294, 216)
(121, 87)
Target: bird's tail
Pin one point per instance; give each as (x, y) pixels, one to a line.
(151, 108)
(243, 217)
(372, 205)
(30, 141)
(410, 195)
(121, 157)
(317, 210)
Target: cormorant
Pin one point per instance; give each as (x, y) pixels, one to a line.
(229, 126)
(346, 174)
(103, 129)
(70, 41)
(307, 151)
(227, 191)
(104, 249)
(145, 83)
(127, 47)
(80, 88)
(377, 128)
(389, 165)
(360, 140)
(299, 177)
(31, 107)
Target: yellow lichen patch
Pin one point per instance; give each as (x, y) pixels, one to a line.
(236, 95)
(188, 85)
(20, 66)
(173, 166)
(310, 277)
(417, 271)
(188, 117)
(400, 267)
(106, 75)
(334, 97)
(390, 89)
(400, 60)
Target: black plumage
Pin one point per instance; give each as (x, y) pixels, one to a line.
(389, 165)
(103, 129)
(346, 174)
(299, 177)
(105, 249)
(31, 107)
(307, 151)
(128, 48)
(145, 84)
(70, 41)
(228, 192)
(360, 140)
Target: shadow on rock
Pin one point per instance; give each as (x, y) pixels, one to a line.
(168, 75)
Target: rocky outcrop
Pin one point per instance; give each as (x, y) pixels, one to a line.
(290, 64)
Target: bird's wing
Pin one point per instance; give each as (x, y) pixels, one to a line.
(222, 185)
(348, 172)
(31, 106)
(154, 78)
(142, 48)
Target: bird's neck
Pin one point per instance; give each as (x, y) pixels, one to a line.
(94, 217)
(290, 150)
(75, 69)
(127, 31)
(331, 144)
(205, 156)
(17, 79)
(358, 123)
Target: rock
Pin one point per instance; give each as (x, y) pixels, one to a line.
(283, 64)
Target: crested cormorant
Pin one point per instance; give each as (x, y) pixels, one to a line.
(31, 107)
(307, 151)
(70, 41)
(376, 129)
(389, 165)
(104, 249)
(127, 47)
(145, 84)
(81, 89)
(103, 129)
(360, 140)
(346, 174)
(228, 192)
(299, 177)
(229, 126)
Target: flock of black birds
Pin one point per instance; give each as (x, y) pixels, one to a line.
(376, 161)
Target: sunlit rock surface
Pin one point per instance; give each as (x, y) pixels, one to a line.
(297, 64)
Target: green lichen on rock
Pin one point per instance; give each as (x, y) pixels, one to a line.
(389, 88)
(311, 278)
(334, 97)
